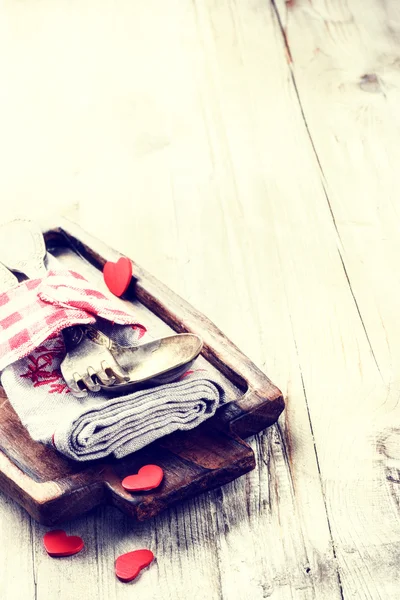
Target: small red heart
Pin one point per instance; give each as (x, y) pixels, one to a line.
(129, 565)
(58, 543)
(147, 478)
(118, 275)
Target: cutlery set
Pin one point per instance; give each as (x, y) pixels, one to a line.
(94, 362)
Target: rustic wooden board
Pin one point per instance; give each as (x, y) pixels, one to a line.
(53, 489)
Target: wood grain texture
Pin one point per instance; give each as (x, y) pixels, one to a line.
(247, 155)
(354, 126)
(17, 555)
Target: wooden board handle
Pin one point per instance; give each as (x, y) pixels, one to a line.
(262, 402)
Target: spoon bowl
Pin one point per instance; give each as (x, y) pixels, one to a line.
(157, 362)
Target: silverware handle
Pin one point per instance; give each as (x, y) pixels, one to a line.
(7, 279)
(72, 336)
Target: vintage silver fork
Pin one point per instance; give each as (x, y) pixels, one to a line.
(87, 363)
(22, 249)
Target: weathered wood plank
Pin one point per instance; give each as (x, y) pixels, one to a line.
(17, 555)
(352, 114)
(346, 74)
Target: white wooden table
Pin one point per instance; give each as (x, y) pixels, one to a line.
(247, 152)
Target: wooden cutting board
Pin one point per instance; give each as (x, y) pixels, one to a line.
(54, 489)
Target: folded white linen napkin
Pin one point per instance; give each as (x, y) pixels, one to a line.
(31, 351)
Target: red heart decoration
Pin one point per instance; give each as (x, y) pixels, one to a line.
(118, 275)
(147, 478)
(129, 565)
(58, 543)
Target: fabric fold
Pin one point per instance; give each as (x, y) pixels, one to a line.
(128, 423)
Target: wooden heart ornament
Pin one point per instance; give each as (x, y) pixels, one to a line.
(118, 275)
(147, 478)
(129, 565)
(58, 543)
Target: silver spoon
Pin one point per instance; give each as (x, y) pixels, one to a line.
(158, 361)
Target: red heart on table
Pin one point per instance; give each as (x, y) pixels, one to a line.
(118, 275)
(58, 543)
(129, 565)
(147, 478)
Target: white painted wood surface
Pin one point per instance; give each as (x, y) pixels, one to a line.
(247, 153)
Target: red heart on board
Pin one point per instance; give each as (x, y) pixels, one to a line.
(58, 543)
(129, 565)
(118, 275)
(147, 478)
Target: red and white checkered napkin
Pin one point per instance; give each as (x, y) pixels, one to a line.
(38, 309)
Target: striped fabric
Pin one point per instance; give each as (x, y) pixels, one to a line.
(38, 309)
